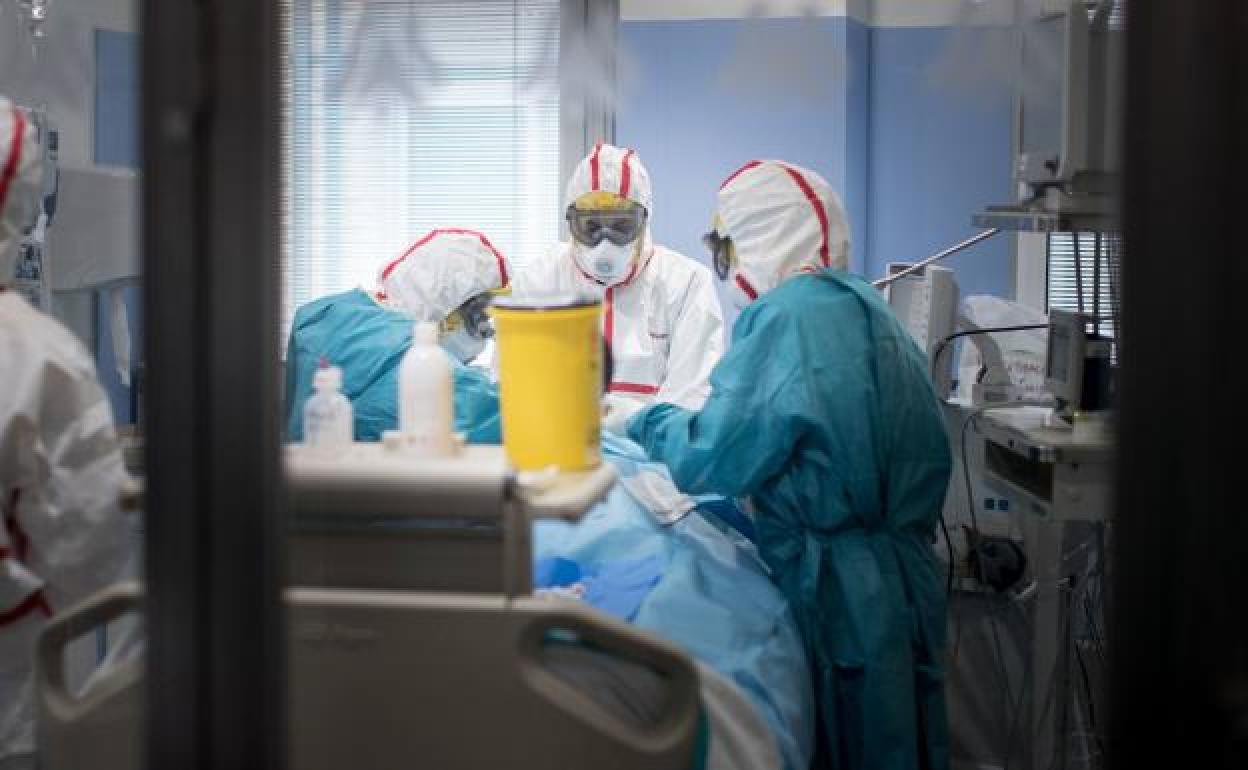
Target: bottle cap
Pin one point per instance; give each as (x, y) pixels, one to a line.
(426, 333)
(327, 378)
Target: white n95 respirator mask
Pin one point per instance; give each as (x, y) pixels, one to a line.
(607, 262)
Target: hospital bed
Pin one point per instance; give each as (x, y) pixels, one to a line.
(415, 639)
(407, 679)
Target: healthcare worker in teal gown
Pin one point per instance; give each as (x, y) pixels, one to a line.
(446, 278)
(822, 415)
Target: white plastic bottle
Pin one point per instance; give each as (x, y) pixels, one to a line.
(328, 422)
(426, 395)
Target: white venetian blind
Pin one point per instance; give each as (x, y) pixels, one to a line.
(405, 115)
(1086, 279)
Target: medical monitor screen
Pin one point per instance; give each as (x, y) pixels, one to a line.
(1058, 368)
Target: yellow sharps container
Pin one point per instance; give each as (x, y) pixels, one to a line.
(550, 380)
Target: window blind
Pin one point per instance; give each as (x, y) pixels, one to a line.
(405, 115)
(1086, 278)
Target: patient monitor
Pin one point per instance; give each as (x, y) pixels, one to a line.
(926, 303)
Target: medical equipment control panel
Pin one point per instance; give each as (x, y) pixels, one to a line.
(1052, 472)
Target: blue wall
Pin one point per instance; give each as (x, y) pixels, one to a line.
(938, 152)
(911, 156)
(856, 186)
(105, 363)
(116, 143)
(116, 99)
(702, 104)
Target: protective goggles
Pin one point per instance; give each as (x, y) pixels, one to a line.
(723, 256)
(476, 321)
(620, 226)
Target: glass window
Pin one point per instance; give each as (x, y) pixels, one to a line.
(72, 509)
(402, 117)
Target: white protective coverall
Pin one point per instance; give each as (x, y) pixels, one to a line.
(63, 535)
(663, 320)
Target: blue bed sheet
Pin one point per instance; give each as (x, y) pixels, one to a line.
(710, 594)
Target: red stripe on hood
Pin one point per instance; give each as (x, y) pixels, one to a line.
(820, 212)
(498, 255)
(625, 175)
(14, 160)
(385, 273)
(593, 167)
(746, 287)
(739, 172)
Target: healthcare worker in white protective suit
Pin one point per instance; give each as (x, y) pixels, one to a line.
(61, 473)
(661, 315)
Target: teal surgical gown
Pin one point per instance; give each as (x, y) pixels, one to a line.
(367, 341)
(822, 413)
